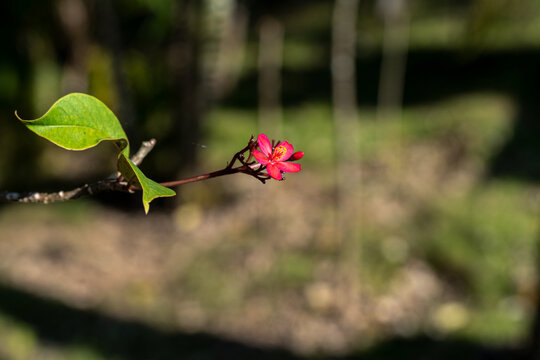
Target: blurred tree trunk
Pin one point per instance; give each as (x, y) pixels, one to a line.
(187, 92)
(344, 35)
(73, 16)
(202, 42)
(18, 156)
(111, 36)
(231, 53)
(394, 57)
(225, 29)
(270, 63)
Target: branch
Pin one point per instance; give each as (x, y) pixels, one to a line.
(145, 148)
(111, 183)
(45, 198)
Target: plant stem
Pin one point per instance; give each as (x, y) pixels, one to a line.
(225, 171)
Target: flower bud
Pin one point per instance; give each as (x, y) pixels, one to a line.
(296, 156)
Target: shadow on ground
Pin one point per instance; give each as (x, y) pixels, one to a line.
(60, 324)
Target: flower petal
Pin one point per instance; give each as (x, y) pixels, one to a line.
(261, 158)
(288, 167)
(282, 152)
(296, 156)
(273, 171)
(265, 145)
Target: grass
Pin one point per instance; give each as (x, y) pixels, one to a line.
(17, 341)
(20, 342)
(485, 237)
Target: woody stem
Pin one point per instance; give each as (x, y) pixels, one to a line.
(225, 171)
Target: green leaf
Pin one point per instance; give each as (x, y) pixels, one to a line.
(134, 176)
(78, 122)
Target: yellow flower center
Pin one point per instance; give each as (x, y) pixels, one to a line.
(279, 153)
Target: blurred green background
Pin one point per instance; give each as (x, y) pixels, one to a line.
(411, 232)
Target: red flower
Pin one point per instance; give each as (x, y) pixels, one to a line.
(276, 159)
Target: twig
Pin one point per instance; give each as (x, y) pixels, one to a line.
(145, 148)
(111, 183)
(45, 198)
